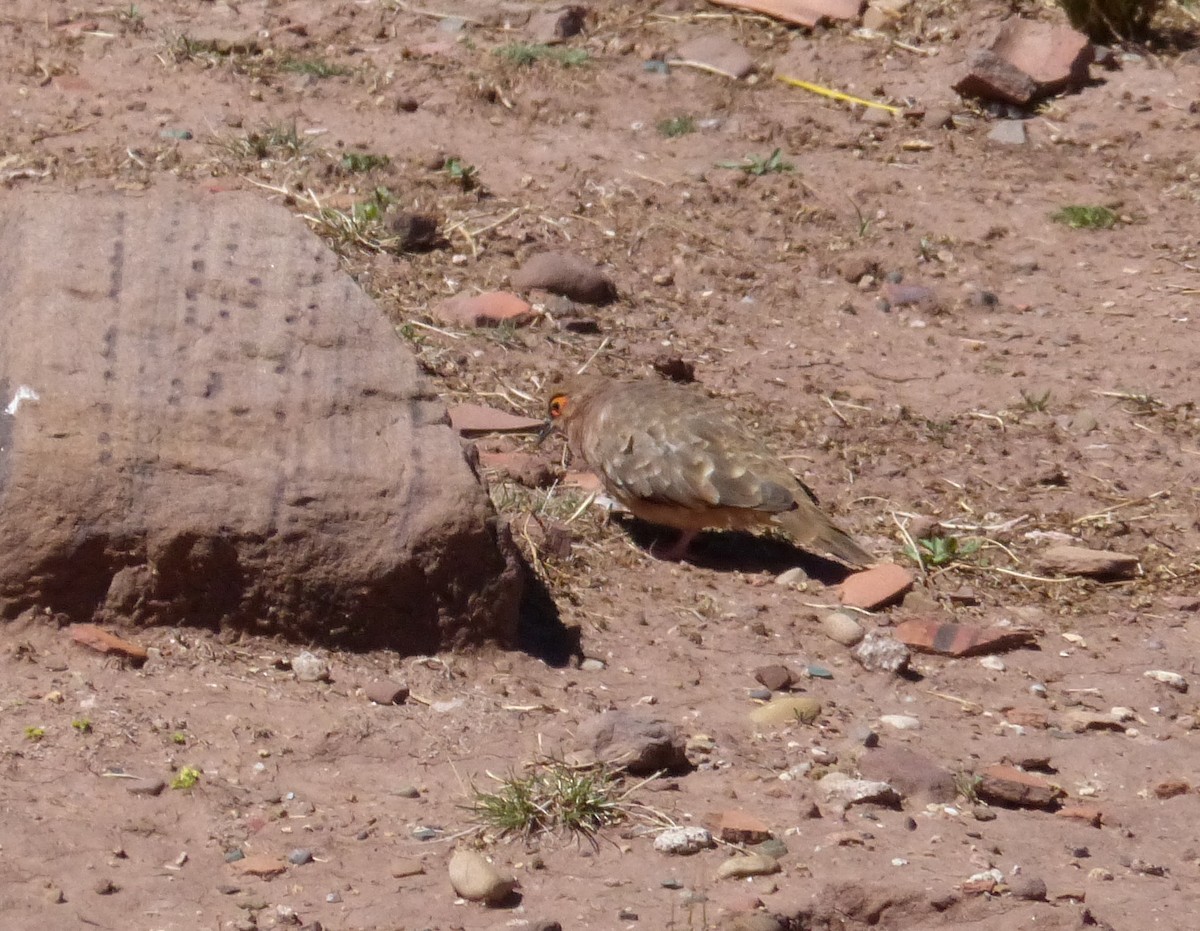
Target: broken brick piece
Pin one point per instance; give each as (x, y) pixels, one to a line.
(931, 636)
(100, 640)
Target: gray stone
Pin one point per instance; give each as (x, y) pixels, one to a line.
(684, 841)
(1008, 132)
(752, 864)
(638, 743)
(146, 787)
(841, 628)
(1171, 680)
(849, 791)
(1031, 888)
(216, 426)
(383, 692)
(1083, 423)
(1078, 560)
(878, 651)
(901, 722)
(474, 878)
(771, 847)
(720, 53)
(911, 773)
(308, 667)
(565, 274)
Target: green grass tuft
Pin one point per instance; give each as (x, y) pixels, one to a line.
(317, 67)
(677, 126)
(186, 778)
(942, 551)
(553, 797)
(759, 165)
(362, 162)
(1080, 217)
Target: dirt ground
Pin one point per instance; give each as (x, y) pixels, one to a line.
(1042, 391)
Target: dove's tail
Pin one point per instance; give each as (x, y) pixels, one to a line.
(812, 530)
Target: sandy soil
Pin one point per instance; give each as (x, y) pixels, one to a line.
(1045, 386)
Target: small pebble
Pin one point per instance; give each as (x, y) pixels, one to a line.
(592, 665)
(880, 652)
(474, 878)
(310, 668)
(841, 628)
(771, 847)
(386, 693)
(1171, 680)
(150, 787)
(684, 841)
(901, 722)
(402, 869)
(754, 864)
(793, 576)
(300, 856)
(1030, 888)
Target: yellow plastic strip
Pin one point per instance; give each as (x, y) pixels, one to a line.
(836, 95)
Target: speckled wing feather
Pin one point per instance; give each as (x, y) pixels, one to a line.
(674, 457)
(669, 445)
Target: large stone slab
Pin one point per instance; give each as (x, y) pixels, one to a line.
(205, 421)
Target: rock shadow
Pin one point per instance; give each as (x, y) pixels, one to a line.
(540, 629)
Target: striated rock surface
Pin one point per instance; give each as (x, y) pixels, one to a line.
(209, 423)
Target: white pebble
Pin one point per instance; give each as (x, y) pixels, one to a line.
(901, 722)
(1171, 680)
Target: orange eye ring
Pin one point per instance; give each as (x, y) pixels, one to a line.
(558, 405)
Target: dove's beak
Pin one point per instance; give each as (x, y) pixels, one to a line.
(547, 429)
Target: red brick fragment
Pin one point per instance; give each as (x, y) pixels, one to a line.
(802, 12)
(1011, 786)
(1089, 814)
(932, 636)
(738, 827)
(491, 308)
(876, 587)
(100, 640)
(474, 419)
